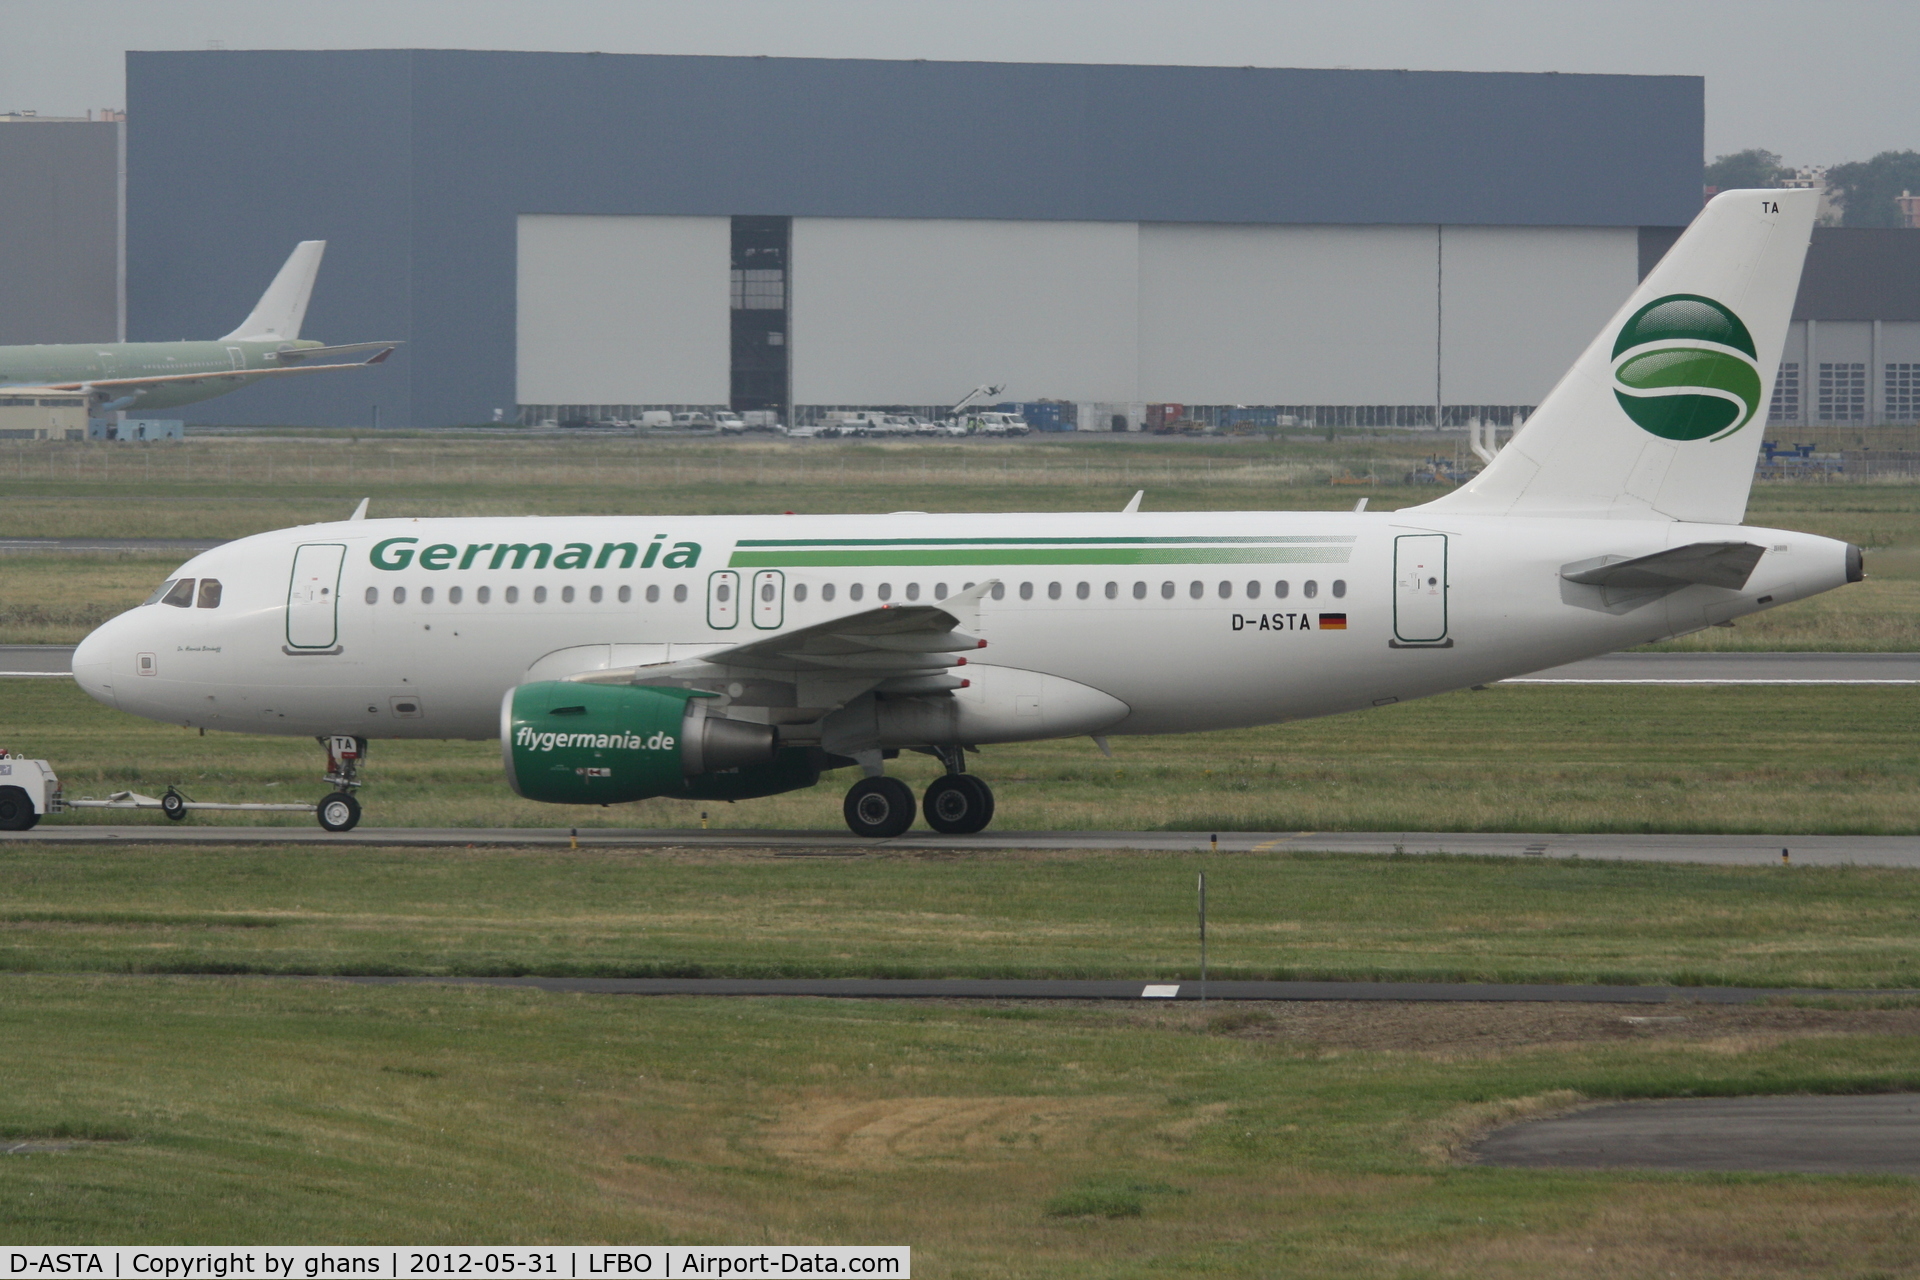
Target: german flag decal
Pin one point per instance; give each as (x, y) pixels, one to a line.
(1333, 622)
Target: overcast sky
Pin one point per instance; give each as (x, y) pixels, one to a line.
(1819, 81)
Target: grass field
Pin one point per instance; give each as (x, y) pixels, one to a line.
(231, 486)
(739, 913)
(998, 1140)
(1510, 758)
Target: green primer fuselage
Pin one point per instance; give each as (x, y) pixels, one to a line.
(226, 364)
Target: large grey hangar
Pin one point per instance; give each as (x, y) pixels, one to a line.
(565, 234)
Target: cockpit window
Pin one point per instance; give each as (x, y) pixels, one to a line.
(209, 593)
(159, 593)
(181, 596)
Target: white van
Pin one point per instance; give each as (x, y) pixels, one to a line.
(1000, 424)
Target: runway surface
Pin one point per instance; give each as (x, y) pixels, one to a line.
(43, 660)
(1718, 850)
(1118, 989)
(185, 546)
(1875, 1134)
(1734, 668)
(1617, 668)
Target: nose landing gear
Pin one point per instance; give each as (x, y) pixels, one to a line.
(340, 811)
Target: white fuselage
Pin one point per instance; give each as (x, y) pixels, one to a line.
(1189, 621)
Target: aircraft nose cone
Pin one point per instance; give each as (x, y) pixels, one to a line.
(93, 666)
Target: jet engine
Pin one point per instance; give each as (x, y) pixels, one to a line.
(608, 744)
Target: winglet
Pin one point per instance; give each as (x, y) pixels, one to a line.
(283, 306)
(360, 512)
(1133, 505)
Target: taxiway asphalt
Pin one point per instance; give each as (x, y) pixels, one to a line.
(1129, 989)
(1717, 850)
(185, 546)
(1875, 1134)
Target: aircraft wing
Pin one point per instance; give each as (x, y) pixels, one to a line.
(169, 379)
(896, 648)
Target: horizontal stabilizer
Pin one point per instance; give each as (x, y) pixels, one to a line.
(295, 355)
(1706, 564)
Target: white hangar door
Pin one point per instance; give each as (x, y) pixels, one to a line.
(920, 311)
(623, 310)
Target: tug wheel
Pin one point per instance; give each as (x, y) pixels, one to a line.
(16, 810)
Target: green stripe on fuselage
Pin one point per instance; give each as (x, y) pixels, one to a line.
(1049, 542)
(979, 555)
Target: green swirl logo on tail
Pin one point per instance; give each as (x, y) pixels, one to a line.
(1684, 368)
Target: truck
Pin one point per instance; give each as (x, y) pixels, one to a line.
(29, 790)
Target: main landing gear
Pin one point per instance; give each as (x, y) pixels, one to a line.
(956, 803)
(340, 811)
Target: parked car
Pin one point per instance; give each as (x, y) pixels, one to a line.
(654, 418)
(692, 422)
(730, 424)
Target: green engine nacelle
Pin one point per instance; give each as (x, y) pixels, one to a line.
(608, 744)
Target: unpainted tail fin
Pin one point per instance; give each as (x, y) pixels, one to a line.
(283, 306)
(1657, 418)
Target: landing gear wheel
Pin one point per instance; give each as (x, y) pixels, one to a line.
(958, 804)
(879, 808)
(339, 811)
(174, 805)
(16, 810)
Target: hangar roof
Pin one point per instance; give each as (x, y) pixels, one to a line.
(414, 165)
(855, 138)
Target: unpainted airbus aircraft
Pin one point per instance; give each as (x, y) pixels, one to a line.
(727, 657)
(166, 375)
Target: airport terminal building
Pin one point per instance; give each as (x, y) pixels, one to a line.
(558, 235)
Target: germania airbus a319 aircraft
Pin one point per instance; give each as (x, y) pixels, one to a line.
(165, 375)
(725, 657)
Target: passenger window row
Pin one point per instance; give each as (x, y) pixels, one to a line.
(1196, 590)
(511, 595)
(179, 592)
(856, 592)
